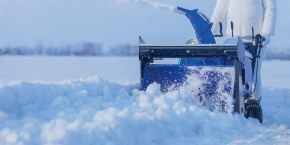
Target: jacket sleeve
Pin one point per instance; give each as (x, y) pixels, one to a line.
(269, 23)
(219, 14)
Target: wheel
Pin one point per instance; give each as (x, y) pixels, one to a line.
(254, 110)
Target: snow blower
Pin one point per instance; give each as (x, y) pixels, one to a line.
(224, 69)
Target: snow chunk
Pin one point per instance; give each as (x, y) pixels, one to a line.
(179, 107)
(282, 127)
(74, 126)
(125, 113)
(153, 89)
(60, 102)
(140, 116)
(54, 131)
(173, 95)
(159, 100)
(145, 102)
(12, 138)
(93, 79)
(5, 132)
(161, 113)
(104, 120)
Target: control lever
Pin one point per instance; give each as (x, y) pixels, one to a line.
(232, 27)
(221, 31)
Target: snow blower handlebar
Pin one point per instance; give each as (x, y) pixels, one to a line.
(188, 51)
(231, 51)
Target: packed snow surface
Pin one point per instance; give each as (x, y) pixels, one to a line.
(96, 111)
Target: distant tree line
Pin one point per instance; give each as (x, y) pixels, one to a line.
(96, 49)
(270, 54)
(84, 49)
(124, 50)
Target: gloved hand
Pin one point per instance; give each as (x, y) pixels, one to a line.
(267, 39)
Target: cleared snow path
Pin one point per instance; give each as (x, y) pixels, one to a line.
(120, 70)
(95, 111)
(51, 69)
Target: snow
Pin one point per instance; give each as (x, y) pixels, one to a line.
(51, 69)
(190, 92)
(276, 73)
(93, 110)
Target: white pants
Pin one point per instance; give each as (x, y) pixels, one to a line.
(257, 78)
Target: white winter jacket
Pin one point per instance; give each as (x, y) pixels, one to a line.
(245, 14)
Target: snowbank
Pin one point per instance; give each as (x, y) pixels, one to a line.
(95, 111)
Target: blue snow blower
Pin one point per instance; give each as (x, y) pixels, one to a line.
(206, 60)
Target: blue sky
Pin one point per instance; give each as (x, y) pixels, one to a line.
(111, 22)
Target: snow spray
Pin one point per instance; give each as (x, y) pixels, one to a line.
(157, 5)
(154, 4)
(160, 5)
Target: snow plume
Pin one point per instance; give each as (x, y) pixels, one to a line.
(151, 3)
(157, 5)
(196, 90)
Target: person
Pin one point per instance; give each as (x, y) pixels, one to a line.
(242, 16)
